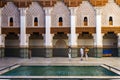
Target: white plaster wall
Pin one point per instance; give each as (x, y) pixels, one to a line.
(111, 9)
(35, 10)
(85, 10)
(10, 10)
(60, 10)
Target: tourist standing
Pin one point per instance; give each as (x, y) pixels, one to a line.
(69, 52)
(81, 53)
(86, 53)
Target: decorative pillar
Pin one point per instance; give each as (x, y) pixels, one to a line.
(96, 48)
(94, 44)
(2, 37)
(73, 35)
(119, 44)
(24, 38)
(99, 43)
(2, 45)
(48, 36)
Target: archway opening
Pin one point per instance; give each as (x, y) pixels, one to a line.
(12, 45)
(36, 43)
(110, 45)
(85, 39)
(60, 45)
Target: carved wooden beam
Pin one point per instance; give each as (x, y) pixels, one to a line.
(85, 29)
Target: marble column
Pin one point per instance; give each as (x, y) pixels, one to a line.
(2, 45)
(24, 38)
(2, 37)
(98, 51)
(99, 38)
(48, 36)
(73, 35)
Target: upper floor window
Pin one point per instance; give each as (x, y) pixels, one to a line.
(11, 21)
(85, 21)
(60, 21)
(35, 21)
(110, 20)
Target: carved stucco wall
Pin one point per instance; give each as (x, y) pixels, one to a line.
(10, 10)
(60, 10)
(85, 10)
(35, 10)
(111, 9)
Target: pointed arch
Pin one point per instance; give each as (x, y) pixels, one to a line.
(60, 44)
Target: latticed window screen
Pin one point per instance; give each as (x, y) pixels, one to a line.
(11, 21)
(60, 21)
(85, 21)
(110, 20)
(35, 21)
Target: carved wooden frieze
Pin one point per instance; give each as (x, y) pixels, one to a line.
(85, 29)
(55, 30)
(7, 30)
(40, 30)
(111, 29)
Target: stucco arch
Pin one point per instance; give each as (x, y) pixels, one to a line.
(85, 10)
(60, 10)
(35, 10)
(60, 44)
(10, 10)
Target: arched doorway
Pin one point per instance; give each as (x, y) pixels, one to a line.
(85, 39)
(36, 44)
(110, 45)
(60, 48)
(12, 45)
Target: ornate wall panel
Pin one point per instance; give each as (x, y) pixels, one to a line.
(33, 11)
(10, 10)
(60, 10)
(113, 10)
(85, 10)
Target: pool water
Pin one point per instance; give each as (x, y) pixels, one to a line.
(60, 71)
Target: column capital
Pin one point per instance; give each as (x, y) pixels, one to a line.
(110, 1)
(73, 10)
(22, 11)
(48, 11)
(118, 35)
(98, 10)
